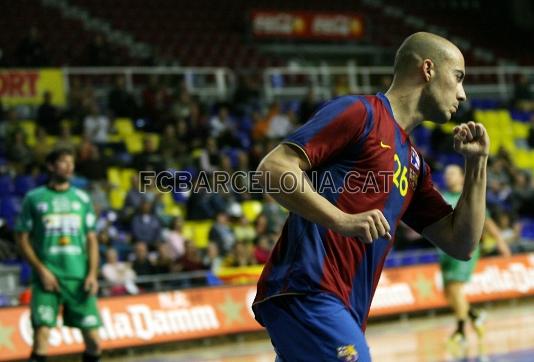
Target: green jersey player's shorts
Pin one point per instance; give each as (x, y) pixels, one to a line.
(80, 309)
(454, 270)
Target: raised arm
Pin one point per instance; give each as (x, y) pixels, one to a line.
(459, 232)
(306, 202)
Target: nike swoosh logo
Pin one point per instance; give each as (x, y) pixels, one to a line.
(383, 145)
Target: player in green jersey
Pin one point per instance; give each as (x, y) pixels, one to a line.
(55, 231)
(456, 273)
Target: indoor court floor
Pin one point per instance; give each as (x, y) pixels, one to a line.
(509, 338)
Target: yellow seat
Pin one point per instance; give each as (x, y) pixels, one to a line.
(114, 177)
(154, 137)
(251, 209)
(28, 126)
(126, 178)
(520, 129)
(117, 197)
(134, 143)
(198, 232)
(124, 127)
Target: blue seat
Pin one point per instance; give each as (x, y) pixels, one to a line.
(6, 185)
(23, 184)
(527, 230)
(10, 207)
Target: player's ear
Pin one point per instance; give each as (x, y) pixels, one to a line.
(428, 69)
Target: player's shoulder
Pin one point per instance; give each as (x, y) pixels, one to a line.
(36, 193)
(82, 195)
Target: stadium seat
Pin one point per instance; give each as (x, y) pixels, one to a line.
(134, 143)
(126, 175)
(251, 209)
(6, 185)
(124, 127)
(23, 184)
(116, 198)
(198, 232)
(114, 176)
(10, 207)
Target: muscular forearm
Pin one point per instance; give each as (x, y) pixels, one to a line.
(92, 250)
(304, 200)
(470, 212)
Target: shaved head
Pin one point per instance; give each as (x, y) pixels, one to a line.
(420, 46)
(432, 69)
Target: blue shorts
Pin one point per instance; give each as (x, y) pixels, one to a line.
(314, 327)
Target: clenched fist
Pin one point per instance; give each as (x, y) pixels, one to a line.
(471, 139)
(367, 226)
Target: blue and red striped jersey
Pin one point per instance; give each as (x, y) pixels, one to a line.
(366, 160)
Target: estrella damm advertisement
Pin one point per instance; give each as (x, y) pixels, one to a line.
(27, 86)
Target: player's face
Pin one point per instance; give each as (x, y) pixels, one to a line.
(454, 177)
(442, 95)
(63, 169)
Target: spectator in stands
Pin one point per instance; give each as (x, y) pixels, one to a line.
(134, 198)
(9, 125)
(262, 250)
(223, 127)
(239, 256)
(247, 94)
(164, 261)
(141, 264)
(168, 144)
(174, 238)
(510, 231)
(213, 260)
(98, 52)
(119, 274)
(120, 102)
(181, 108)
(522, 194)
(150, 158)
(48, 115)
(275, 214)
(31, 51)
(281, 123)
(197, 125)
(18, 151)
(96, 125)
(90, 164)
(202, 205)
(41, 148)
(146, 225)
(222, 234)
(523, 96)
(211, 157)
(65, 138)
(261, 225)
(530, 139)
(191, 260)
(155, 103)
(307, 106)
(244, 230)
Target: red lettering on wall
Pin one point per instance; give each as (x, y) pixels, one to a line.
(18, 84)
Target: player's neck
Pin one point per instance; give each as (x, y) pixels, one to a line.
(405, 107)
(58, 185)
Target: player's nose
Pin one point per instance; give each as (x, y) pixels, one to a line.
(461, 96)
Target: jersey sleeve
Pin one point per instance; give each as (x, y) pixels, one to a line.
(332, 128)
(90, 218)
(427, 205)
(24, 221)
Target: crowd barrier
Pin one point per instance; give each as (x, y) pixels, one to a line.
(153, 318)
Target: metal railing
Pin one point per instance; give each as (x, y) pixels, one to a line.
(205, 82)
(286, 82)
(295, 81)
